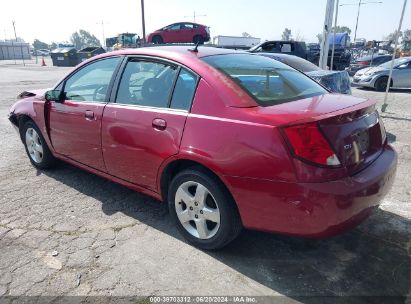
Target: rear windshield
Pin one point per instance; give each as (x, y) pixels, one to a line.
(268, 81)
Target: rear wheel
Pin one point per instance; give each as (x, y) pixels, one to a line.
(198, 39)
(157, 39)
(36, 147)
(203, 211)
(381, 84)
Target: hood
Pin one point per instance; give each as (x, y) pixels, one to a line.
(370, 70)
(32, 93)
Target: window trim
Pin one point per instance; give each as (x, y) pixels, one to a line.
(110, 85)
(179, 66)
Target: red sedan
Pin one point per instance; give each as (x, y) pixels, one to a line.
(183, 32)
(228, 139)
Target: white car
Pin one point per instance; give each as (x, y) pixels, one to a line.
(377, 77)
(41, 52)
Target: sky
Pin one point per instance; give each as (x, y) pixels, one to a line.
(48, 21)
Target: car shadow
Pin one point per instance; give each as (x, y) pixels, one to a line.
(407, 91)
(370, 264)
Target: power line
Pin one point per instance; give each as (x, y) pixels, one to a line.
(194, 15)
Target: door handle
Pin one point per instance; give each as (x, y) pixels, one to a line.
(159, 124)
(89, 114)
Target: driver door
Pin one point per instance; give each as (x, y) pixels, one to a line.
(75, 122)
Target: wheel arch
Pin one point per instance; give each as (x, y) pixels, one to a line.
(173, 167)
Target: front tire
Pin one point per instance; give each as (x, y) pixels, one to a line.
(203, 210)
(157, 39)
(198, 39)
(381, 84)
(36, 147)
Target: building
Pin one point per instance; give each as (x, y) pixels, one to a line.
(14, 50)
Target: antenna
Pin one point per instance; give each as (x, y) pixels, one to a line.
(194, 16)
(195, 49)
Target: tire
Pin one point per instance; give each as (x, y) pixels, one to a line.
(381, 84)
(198, 39)
(36, 147)
(157, 39)
(203, 210)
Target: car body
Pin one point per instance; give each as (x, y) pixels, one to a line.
(377, 77)
(367, 61)
(296, 48)
(335, 81)
(181, 32)
(342, 57)
(228, 139)
(41, 52)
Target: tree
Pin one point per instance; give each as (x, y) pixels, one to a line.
(391, 36)
(319, 37)
(245, 34)
(406, 35)
(299, 37)
(286, 34)
(37, 44)
(341, 29)
(82, 39)
(53, 46)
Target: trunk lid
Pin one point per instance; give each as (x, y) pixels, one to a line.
(357, 137)
(351, 125)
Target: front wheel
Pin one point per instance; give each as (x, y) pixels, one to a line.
(198, 39)
(203, 211)
(157, 39)
(36, 147)
(381, 84)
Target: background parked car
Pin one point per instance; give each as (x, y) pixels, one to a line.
(296, 48)
(41, 52)
(367, 61)
(335, 81)
(377, 77)
(183, 32)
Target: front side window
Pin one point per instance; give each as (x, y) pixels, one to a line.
(175, 27)
(146, 83)
(91, 82)
(268, 81)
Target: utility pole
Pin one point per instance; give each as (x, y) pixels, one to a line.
(194, 15)
(102, 29)
(334, 29)
(325, 47)
(143, 21)
(360, 2)
(397, 34)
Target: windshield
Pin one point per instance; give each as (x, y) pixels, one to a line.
(268, 81)
(397, 62)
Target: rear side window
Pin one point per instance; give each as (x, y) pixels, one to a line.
(268, 81)
(184, 90)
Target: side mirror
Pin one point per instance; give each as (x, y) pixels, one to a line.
(54, 95)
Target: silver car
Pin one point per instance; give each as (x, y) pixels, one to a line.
(377, 77)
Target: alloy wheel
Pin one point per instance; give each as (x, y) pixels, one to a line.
(34, 145)
(197, 210)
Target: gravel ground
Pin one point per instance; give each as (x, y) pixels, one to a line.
(68, 232)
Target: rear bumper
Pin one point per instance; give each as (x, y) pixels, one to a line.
(314, 209)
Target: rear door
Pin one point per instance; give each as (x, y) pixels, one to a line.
(187, 32)
(144, 125)
(75, 123)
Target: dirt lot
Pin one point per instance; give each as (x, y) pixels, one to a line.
(68, 232)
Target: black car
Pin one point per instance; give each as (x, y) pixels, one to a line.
(367, 61)
(296, 48)
(335, 81)
(342, 57)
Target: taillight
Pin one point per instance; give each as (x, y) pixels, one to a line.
(363, 62)
(310, 145)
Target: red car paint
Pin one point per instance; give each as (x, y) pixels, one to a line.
(242, 143)
(183, 32)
